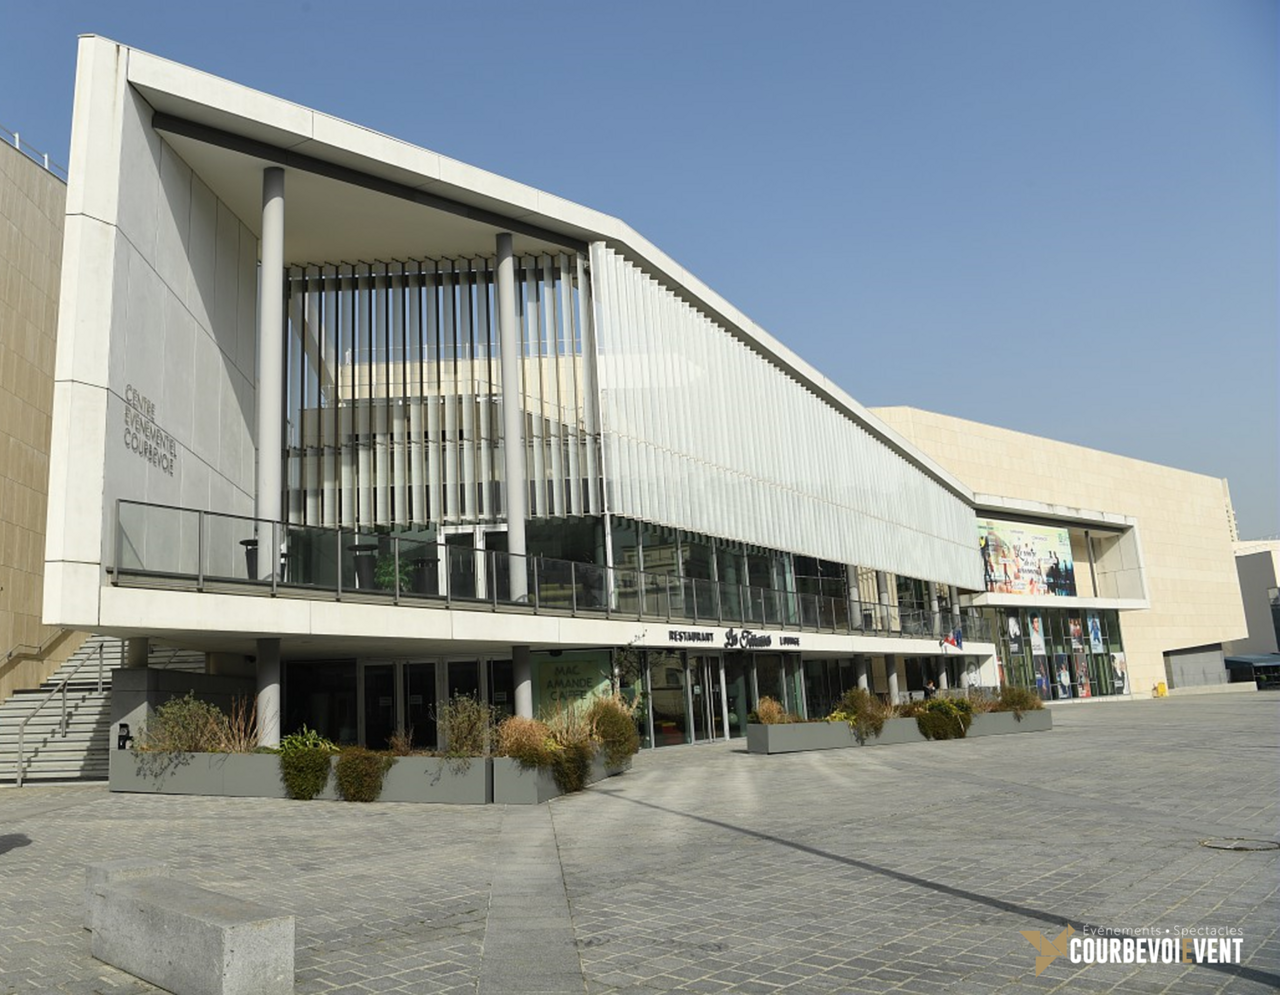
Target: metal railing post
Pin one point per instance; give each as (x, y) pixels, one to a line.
(573, 586)
(395, 548)
(537, 594)
(99, 668)
(17, 776)
(493, 578)
(668, 586)
(609, 580)
(338, 534)
(275, 556)
(62, 724)
(200, 550)
(448, 576)
(115, 570)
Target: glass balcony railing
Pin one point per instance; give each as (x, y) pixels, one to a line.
(160, 545)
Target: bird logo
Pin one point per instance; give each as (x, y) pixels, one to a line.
(1048, 950)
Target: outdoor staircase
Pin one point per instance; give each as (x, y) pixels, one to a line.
(78, 752)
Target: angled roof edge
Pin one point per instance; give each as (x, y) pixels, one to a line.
(194, 95)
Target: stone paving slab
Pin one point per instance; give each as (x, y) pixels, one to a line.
(908, 869)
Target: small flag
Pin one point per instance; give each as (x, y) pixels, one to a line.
(955, 638)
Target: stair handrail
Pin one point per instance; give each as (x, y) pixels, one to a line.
(62, 725)
(26, 649)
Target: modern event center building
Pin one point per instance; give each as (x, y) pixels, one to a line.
(300, 363)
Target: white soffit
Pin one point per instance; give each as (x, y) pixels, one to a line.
(995, 506)
(212, 102)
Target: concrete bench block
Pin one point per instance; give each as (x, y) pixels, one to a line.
(100, 877)
(187, 939)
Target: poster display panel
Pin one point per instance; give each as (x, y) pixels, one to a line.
(1030, 560)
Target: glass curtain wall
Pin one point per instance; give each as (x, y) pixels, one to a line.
(1062, 652)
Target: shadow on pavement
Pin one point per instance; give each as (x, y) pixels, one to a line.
(1235, 970)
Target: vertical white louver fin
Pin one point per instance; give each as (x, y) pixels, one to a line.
(702, 433)
(393, 392)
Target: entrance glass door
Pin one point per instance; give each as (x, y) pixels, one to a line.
(420, 704)
(699, 694)
(667, 693)
(379, 704)
(464, 679)
(737, 678)
(708, 699)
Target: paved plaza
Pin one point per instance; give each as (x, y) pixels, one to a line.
(908, 869)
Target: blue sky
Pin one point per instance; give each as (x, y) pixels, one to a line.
(1058, 217)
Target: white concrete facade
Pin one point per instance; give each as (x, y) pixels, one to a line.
(156, 381)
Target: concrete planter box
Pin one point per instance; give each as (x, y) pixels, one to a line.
(800, 737)
(1001, 723)
(428, 780)
(896, 732)
(514, 785)
(238, 775)
(600, 770)
(432, 780)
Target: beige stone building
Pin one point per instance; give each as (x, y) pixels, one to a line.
(1175, 588)
(32, 206)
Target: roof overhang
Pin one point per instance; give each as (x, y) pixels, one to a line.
(399, 201)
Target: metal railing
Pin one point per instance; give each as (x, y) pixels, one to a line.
(35, 155)
(61, 689)
(35, 652)
(157, 543)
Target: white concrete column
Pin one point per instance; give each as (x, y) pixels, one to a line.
(517, 488)
(862, 668)
(955, 606)
(933, 607)
(270, 386)
(137, 652)
(522, 672)
(882, 592)
(891, 673)
(268, 692)
(942, 675)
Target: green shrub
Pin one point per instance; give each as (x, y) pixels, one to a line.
(572, 747)
(525, 740)
(769, 712)
(360, 773)
(304, 763)
(183, 725)
(1018, 700)
(864, 712)
(467, 727)
(384, 572)
(944, 718)
(614, 727)
(571, 765)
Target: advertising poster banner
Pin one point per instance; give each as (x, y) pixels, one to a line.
(1077, 634)
(1037, 633)
(1032, 560)
(1015, 636)
(1095, 633)
(1062, 674)
(1120, 671)
(1084, 688)
(1041, 667)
